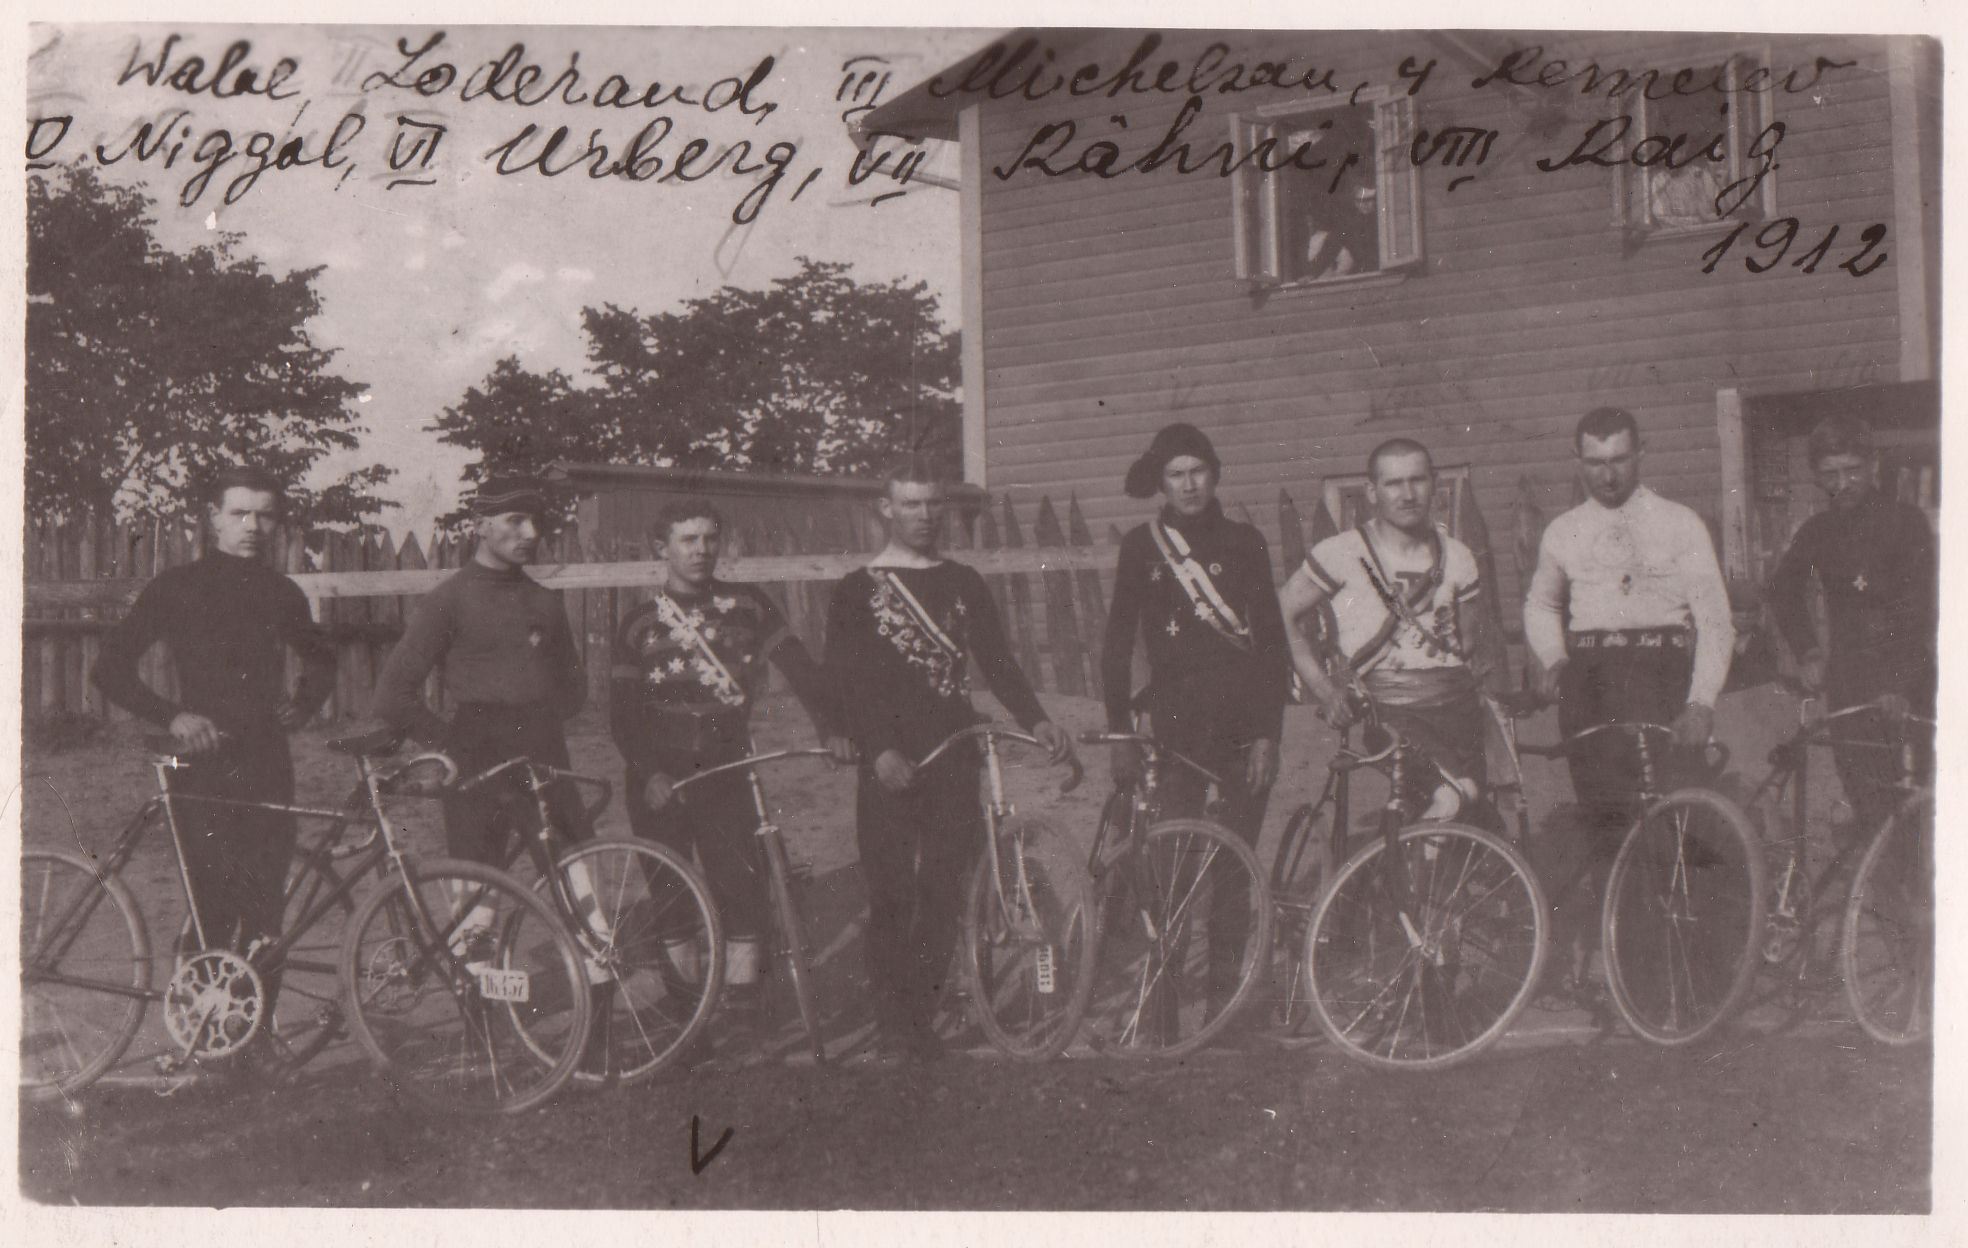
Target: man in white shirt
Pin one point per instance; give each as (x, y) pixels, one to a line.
(1404, 597)
(1628, 618)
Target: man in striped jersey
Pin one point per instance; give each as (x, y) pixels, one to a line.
(1405, 599)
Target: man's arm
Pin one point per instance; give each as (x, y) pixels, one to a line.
(1299, 600)
(123, 648)
(1117, 647)
(316, 651)
(1269, 646)
(1544, 614)
(1708, 603)
(851, 672)
(1001, 671)
(398, 698)
(628, 709)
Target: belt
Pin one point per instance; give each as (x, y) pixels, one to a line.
(1672, 637)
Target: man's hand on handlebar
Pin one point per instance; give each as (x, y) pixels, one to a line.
(658, 791)
(894, 771)
(1691, 726)
(1058, 745)
(842, 748)
(196, 734)
(1262, 767)
(1544, 682)
(1125, 763)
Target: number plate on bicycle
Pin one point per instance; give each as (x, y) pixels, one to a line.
(495, 985)
(1045, 968)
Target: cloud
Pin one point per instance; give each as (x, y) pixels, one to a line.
(511, 277)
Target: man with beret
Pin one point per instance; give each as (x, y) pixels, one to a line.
(510, 669)
(1196, 585)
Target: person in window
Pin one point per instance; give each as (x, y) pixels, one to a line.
(1874, 559)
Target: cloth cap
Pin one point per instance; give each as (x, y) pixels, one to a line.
(498, 495)
(1144, 477)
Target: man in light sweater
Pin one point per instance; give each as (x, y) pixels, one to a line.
(1628, 618)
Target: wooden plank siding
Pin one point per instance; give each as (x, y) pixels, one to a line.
(1110, 306)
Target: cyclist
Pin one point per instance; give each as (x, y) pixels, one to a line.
(1411, 627)
(229, 620)
(1874, 558)
(510, 669)
(1196, 585)
(689, 665)
(1628, 619)
(901, 635)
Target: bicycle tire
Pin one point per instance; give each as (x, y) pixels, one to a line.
(425, 1014)
(1014, 963)
(1682, 925)
(646, 899)
(1205, 905)
(792, 941)
(1480, 919)
(1286, 1003)
(71, 1034)
(1887, 954)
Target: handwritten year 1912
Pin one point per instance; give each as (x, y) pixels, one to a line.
(1777, 236)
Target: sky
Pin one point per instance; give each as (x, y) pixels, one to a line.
(427, 283)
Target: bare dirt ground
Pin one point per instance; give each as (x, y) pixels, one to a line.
(1781, 1113)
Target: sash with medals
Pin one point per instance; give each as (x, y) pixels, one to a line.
(954, 676)
(1401, 608)
(1196, 583)
(715, 675)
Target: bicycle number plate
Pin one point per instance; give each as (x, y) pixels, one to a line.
(1045, 968)
(503, 985)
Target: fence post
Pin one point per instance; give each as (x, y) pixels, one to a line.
(92, 538)
(1062, 622)
(1023, 627)
(1093, 600)
(1291, 533)
(1476, 535)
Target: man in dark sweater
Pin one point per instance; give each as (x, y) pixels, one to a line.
(1197, 586)
(510, 669)
(1875, 561)
(689, 665)
(228, 621)
(901, 635)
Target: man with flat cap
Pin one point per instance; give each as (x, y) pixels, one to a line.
(1196, 585)
(511, 671)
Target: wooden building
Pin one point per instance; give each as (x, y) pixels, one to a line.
(1306, 242)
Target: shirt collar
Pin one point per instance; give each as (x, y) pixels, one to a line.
(1197, 525)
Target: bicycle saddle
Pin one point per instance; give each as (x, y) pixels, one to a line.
(375, 743)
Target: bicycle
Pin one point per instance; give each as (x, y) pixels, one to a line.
(422, 961)
(788, 941)
(1804, 909)
(1183, 917)
(1681, 923)
(1887, 953)
(1027, 951)
(1419, 949)
(644, 919)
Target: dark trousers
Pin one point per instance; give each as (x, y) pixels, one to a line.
(1629, 684)
(479, 825)
(1226, 752)
(915, 848)
(237, 860)
(717, 821)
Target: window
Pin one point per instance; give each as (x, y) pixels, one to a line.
(1695, 160)
(1325, 193)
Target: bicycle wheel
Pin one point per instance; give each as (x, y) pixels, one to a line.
(1888, 952)
(430, 964)
(1185, 924)
(653, 946)
(1682, 926)
(1431, 982)
(85, 971)
(1028, 952)
(1298, 876)
(792, 938)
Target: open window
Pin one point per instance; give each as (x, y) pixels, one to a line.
(1325, 193)
(1695, 160)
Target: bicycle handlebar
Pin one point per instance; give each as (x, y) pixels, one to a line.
(750, 760)
(1072, 760)
(1154, 749)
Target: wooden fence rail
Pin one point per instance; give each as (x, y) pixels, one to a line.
(1052, 590)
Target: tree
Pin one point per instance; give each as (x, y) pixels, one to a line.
(148, 369)
(817, 373)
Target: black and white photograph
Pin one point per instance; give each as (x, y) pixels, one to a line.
(994, 618)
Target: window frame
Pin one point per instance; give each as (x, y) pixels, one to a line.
(1255, 195)
(1633, 186)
